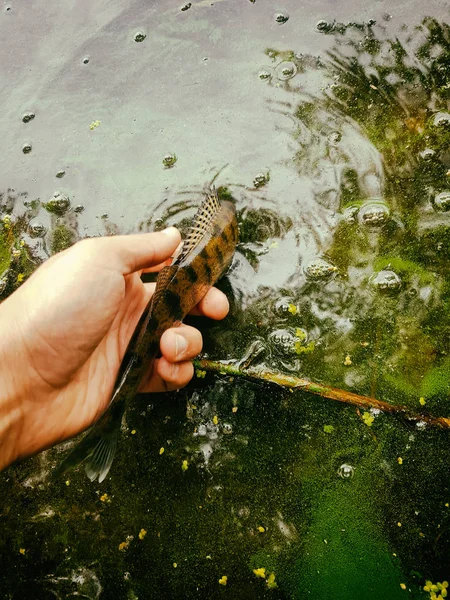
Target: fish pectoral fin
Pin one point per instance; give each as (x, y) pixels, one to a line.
(97, 449)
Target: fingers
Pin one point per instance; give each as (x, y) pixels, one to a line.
(168, 376)
(181, 343)
(214, 305)
(130, 253)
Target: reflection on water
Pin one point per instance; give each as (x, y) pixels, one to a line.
(339, 166)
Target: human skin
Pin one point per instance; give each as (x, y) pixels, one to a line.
(64, 332)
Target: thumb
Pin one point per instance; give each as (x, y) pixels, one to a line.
(130, 253)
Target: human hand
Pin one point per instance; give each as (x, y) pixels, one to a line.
(64, 332)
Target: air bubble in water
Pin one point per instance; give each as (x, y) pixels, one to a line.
(169, 160)
(441, 119)
(37, 230)
(139, 36)
(283, 340)
(427, 154)
(387, 281)
(28, 116)
(319, 270)
(286, 70)
(261, 179)
(265, 74)
(346, 471)
(86, 60)
(60, 174)
(374, 214)
(59, 204)
(27, 148)
(281, 17)
(442, 201)
(324, 26)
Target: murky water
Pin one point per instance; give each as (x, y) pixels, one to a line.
(329, 127)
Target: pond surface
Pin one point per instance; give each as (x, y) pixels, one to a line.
(328, 124)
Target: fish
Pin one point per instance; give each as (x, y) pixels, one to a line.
(204, 257)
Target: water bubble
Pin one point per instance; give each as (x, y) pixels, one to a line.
(387, 281)
(28, 116)
(79, 208)
(427, 154)
(283, 340)
(37, 230)
(284, 307)
(441, 119)
(286, 70)
(261, 179)
(139, 36)
(169, 160)
(374, 214)
(265, 74)
(351, 214)
(334, 137)
(27, 148)
(227, 428)
(60, 174)
(319, 269)
(59, 204)
(346, 471)
(186, 6)
(324, 26)
(442, 201)
(281, 17)
(86, 60)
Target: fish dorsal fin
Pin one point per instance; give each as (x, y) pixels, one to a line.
(201, 226)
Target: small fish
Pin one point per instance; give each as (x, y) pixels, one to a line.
(204, 257)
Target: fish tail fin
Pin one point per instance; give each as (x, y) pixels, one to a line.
(98, 448)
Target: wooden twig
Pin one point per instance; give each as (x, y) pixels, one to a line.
(289, 381)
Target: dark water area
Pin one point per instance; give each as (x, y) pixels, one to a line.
(328, 124)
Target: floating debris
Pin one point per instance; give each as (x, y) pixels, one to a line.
(223, 580)
(169, 160)
(346, 471)
(27, 148)
(139, 36)
(94, 125)
(281, 17)
(186, 6)
(28, 116)
(261, 179)
(387, 281)
(142, 534)
(286, 70)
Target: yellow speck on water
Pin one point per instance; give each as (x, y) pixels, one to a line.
(292, 309)
(403, 586)
(123, 545)
(161, 450)
(261, 529)
(215, 419)
(422, 401)
(94, 125)
(368, 419)
(447, 505)
(133, 432)
(22, 550)
(68, 482)
(399, 524)
(105, 498)
(184, 465)
(260, 572)
(142, 534)
(234, 409)
(271, 581)
(223, 580)
(200, 374)
(20, 277)
(175, 565)
(348, 361)
(400, 460)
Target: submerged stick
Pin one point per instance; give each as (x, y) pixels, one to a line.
(289, 381)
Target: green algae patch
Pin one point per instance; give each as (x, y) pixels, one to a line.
(62, 237)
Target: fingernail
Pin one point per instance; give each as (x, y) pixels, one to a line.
(180, 345)
(171, 232)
